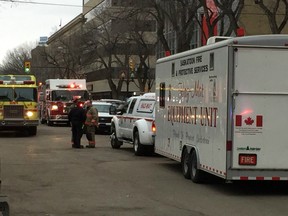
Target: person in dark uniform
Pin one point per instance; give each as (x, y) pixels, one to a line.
(77, 118)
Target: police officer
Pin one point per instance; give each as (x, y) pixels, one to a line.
(91, 123)
(76, 117)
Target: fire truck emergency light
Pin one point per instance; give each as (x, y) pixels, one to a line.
(13, 82)
(73, 85)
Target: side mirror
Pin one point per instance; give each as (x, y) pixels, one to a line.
(122, 108)
(112, 110)
(120, 112)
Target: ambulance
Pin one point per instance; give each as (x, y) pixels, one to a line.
(57, 95)
(221, 109)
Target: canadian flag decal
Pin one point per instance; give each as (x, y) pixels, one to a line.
(249, 121)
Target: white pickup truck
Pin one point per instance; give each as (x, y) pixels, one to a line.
(134, 124)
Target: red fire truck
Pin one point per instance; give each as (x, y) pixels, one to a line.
(56, 96)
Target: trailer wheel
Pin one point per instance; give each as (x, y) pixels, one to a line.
(138, 147)
(196, 174)
(115, 143)
(186, 164)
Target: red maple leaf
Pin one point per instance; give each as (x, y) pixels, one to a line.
(249, 121)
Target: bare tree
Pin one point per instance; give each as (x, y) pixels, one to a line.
(111, 39)
(276, 12)
(223, 14)
(103, 51)
(64, 55)
(40, 67)
(181, 15)
(186, 16)
(232, 10)
(142, 36)
(13, 62)
(12, 3)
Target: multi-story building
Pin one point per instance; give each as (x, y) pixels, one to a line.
(115, 24)
(59, 56)
(104, 20)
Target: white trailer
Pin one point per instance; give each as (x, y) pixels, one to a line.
(222, 109)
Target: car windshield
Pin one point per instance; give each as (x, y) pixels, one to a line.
(102, 107)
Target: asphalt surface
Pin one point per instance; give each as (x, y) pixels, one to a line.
(44, 176)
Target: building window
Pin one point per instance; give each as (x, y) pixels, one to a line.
(90, 87)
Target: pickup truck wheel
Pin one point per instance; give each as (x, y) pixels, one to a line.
(115, 143)
(138, 147)
(197, 176)
(186, 164)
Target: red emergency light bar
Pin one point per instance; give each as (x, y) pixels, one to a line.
(13, 82)
(72, 86)
(28, 82)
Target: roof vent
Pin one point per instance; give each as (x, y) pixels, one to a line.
(216, 39)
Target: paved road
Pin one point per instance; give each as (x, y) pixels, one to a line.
(44, 176)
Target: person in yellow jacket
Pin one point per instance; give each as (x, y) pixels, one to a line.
(91, 123)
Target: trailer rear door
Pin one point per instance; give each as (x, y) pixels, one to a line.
(260, 116)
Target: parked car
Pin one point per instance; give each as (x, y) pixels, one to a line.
(103, 115)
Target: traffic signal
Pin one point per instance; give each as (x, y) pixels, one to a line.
(131, 64)
(27, 66)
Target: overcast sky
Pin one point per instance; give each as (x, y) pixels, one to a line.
(23, 23)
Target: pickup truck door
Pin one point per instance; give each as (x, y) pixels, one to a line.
(128, 120)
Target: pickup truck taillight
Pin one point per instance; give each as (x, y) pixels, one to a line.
(153, 127)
